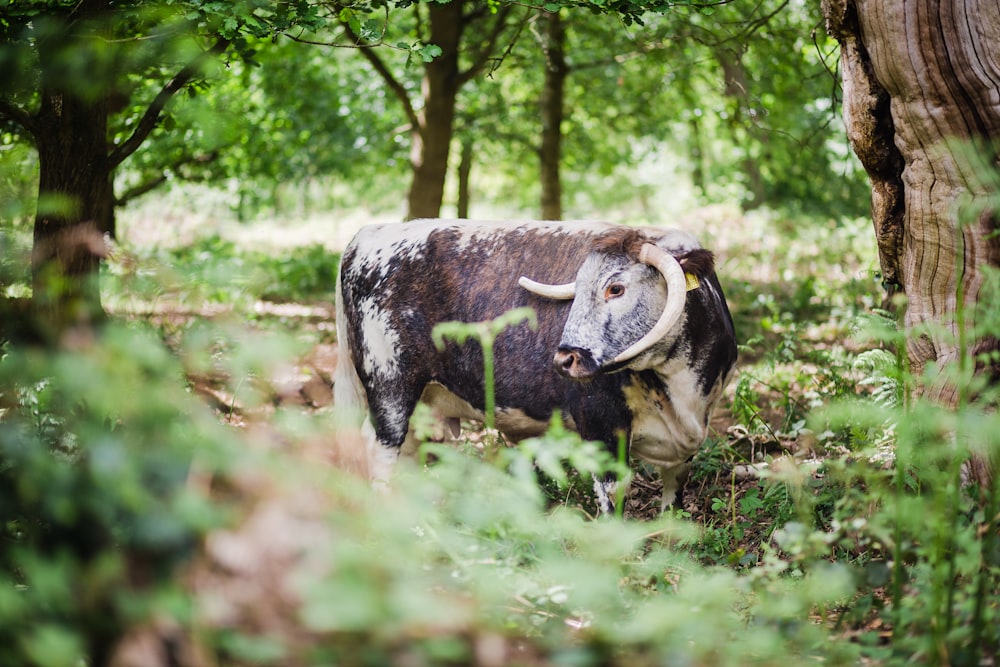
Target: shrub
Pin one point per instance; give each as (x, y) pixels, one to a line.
(95, 447)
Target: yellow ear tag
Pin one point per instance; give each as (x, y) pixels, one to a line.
(691, 281)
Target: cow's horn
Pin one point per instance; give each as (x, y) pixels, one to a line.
(672, 272)
(566, 291)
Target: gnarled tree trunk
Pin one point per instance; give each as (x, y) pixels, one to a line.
(922, 104)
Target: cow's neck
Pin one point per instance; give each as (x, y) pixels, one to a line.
(668, 413)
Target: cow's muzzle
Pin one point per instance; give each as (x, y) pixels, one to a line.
(575, 363)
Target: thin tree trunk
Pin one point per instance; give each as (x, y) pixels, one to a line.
(697, 156)
(552, 106)
(737, 89)
(464, 170)
(920, 87)
(431, 140)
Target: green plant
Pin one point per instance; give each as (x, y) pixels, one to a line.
(302, 274)
(485, 333)
(96, 515)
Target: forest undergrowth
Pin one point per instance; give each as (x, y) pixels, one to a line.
(824, 520)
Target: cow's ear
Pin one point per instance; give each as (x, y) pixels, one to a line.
(698, 262)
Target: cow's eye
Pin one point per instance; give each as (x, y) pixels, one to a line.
(614, 290)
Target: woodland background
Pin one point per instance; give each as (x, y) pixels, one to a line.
(175, 487)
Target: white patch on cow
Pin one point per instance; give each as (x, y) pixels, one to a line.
(667, 431)
(605, 491)
(386, 241)
(380, 339)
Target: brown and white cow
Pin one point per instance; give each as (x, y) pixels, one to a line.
(634, 338)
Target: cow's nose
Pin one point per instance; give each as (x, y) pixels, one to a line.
(565, 361)
(575, 363)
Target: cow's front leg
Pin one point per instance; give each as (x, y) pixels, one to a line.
(603, 416)
(606, 491)
(673, 477)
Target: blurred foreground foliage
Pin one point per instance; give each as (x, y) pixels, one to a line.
(139, 527)
(106, 530)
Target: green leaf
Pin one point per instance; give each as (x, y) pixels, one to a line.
(429, 52)
(372, 30)
(350, 17)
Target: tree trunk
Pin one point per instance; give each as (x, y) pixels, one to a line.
(464, 170)
(737, 89)
(75, 195)
(551, 103)
(920, 101)
(698, 156)
(74, 208)
(432, 138)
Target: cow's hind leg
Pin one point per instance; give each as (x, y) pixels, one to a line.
(381, 458)
(386, 429)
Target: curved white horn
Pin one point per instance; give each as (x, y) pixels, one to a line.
(566, 291)
(672, 272)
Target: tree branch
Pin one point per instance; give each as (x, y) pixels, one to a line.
(394, 85)
(152, 116)
(483, 55)
(18, 116)
(153, 183)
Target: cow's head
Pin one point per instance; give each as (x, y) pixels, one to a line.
(627, 297)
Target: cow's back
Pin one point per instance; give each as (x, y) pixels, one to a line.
(398, 280)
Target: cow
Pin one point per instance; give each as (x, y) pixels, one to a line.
(634, 341)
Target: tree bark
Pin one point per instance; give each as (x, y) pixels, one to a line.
(76, 199)
(464, 171)
(431, 139)
(872, 133)
(552, 106)
(921, 81)
(737, 90)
